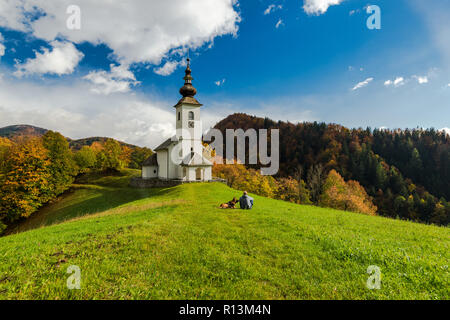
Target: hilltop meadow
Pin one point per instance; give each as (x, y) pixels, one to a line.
(176, 243)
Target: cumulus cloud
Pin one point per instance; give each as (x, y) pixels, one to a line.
(77, 112)
(119, 79)
(397, 82)
(147, 30)
(167, 69)
(271, 8)
(318, 7)
(421, 79)
(362, 84)
(61, 59)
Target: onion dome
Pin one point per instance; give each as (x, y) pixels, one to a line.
(188, 89)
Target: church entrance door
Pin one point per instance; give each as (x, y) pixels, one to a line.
(198, 174)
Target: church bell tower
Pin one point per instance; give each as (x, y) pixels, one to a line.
(188, 123)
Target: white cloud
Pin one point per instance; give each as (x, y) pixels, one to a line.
(397, 82)
(421, 79)
(168, 68)
(61, 59)
(362, 84)
(272, 8)
(2, 46)
(136, 30)
(119, 79)
(220, 82)
(279, 23)
(318, 7)
(77, 112)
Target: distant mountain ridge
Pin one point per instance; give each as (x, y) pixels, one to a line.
(24, 130)
(21, 130)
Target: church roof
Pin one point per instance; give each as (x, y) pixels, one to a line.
(188, 100)
(194, 160)
(165, 145)
(151, 161)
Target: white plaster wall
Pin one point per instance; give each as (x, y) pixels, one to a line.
(162, 162)
(173, 167)
(208, 174)
(149, 172)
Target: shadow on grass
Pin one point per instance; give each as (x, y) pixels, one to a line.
(82, 201)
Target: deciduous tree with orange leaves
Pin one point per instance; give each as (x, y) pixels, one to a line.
(349, 196)
(25, 183)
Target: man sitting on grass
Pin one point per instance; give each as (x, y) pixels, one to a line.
(246, 202)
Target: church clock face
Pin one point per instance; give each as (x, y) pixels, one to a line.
(191, 124)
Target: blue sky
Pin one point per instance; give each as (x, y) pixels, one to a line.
(312, 60)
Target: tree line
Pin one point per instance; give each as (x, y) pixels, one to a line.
(332, 191)
(405, 172)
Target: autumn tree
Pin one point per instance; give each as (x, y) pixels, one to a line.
(26, 182)
(110, 156)
(62, 165)
(293, 190)
(349, 196)
(138, 156)
(85, 159)
(241, 178)
(5, 145)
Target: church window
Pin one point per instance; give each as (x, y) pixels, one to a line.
(191, 124)
(191, 115)
(179, 116)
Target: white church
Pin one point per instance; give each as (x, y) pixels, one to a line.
(183, 156)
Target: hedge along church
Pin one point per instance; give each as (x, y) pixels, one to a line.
(182, 157)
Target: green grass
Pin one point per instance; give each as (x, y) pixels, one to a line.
(176, 244)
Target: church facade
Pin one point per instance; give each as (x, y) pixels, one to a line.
(183, 156)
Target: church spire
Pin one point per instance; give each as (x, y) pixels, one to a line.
(188, 89)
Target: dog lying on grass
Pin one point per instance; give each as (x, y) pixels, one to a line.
(230, 204)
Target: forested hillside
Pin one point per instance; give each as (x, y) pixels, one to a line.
(35, 170)
(406, 172)
(20, 132)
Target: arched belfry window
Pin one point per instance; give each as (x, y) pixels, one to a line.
(191, 115)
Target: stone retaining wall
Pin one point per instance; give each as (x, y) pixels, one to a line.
(157, 183)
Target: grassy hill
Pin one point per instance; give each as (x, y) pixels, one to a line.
(176, 244)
